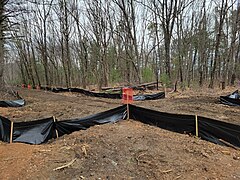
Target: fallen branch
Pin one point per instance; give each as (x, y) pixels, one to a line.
(167, 171)
(44, 150)
(178, 177)
(144, 86)
(66, 165)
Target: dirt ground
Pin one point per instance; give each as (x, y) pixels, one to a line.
(124, 150)
(6, 96)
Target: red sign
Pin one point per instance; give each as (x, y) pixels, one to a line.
(127, 96)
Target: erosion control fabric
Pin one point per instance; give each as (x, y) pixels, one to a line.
(216, 131)
(34, 132)
(173, 122)
(209, 129)
(5, 128)
(40, 131)
(159, 95)
(110, 116)
(231, 99)
(13, 103)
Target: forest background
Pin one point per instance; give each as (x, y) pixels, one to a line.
(193, 43)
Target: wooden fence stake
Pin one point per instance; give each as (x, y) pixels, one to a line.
(11, 132)
(196, 123)
(165, 90)
(54, 119)
(127, 111)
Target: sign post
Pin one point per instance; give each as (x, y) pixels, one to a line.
(127, 98)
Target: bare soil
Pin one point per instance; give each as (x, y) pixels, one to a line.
(124, 150)
(4, 95)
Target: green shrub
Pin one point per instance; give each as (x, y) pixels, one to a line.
(115, 76)
(165, 80)
(147, 75)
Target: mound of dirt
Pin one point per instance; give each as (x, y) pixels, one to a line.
(125, 150)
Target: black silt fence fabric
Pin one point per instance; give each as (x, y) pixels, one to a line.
(94, 94)
(34, 132)
(14, 103)
(87, 93)
(215, 131)
(5, 128)
(110, 116)
(143, 97)
(231, 99)
(172, 122)
(156, 96)
(209, 129)
(40, 131)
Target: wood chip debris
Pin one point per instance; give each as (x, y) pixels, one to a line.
(167, 171)
(66, 165)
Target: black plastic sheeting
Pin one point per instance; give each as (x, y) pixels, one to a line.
(215, 131)
(5, 128)
(143, 97)
(13, 103)
(110, 116)
(231, 99)
(85, 92)
(209, 129)
(90, 93)
(156, 96)
(40, 131)
(34, 132)
(172, 122)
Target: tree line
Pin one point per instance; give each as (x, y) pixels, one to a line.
(104, 42)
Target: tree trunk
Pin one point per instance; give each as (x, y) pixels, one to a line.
(218, 40)
(2, 61)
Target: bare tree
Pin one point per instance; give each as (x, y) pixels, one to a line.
(97, 14)
(99, 42)
(3, 25)
(222, 16)
(42, 13)
(128, 31)
(2, 21)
